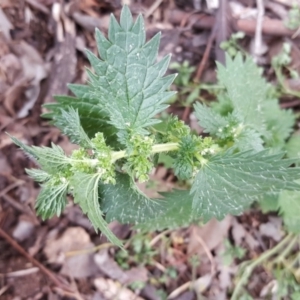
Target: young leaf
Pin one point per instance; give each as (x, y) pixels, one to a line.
(226, 127)
(249, 139)
(69, 124)
(38, 175)
(289, 207)
(85, 192)
(50, 159)
(92, 118)
(230, 182)
(246, 88)
(211, 121)
(293, 147)
(127, 83)
(268, 202)
(52, 199)
(279, 123)
(125, 203)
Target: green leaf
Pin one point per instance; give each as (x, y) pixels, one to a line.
(38, 175)
(125, 203)
(289, 207)
(52, 199)
(293, 146)
(211, 121)
(128, 85)
(92, 118)
(50, 159)
(268, 202)
(249, 139)
(226, 127)
(230, 182)
(246, 89)
(69, 123)
(279, 122)
(85, 192)
(178, 212)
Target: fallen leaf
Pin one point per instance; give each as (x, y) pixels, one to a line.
(240, 234)
(24, 228)
(272, 229)
(212, 234)
(108, 266)
(5, 24)
(112, 290)
(79, 264)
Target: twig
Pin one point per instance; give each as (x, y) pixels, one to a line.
(290, 104)
(206, 54)
(20, 272)
(200, 21)
(258, 41)
(153, 8)
(208, 253)
(21, 208)
(253, 264)
(11, 187)
(4, 289)
(89, 250)
(43, 269)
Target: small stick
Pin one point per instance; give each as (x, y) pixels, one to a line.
(43, 269)
(206, 53)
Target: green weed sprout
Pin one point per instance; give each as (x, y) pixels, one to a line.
(113, 119)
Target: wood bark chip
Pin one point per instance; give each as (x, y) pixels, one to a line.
(272, 27)
(64, 64)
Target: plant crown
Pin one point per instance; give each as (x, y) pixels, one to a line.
(113, 120)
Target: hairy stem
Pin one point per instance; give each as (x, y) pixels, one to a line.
(253, 264)
(155, 149)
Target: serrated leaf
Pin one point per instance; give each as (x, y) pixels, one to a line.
(230, 182)
(289, 208)
(249, 139)
(292, 147)
(51, 199)
(178, 212)
(268, 202)
(85, 192)
(50, 159)
(279, 123)
(69, 123)
(92, 120)
(127, 83)
(125, 203)
(38, 175)
(210, 120)
(217, 125)
(246, 89)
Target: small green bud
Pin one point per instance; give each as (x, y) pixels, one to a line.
(139, 151)
(81, 161)
(99, 142)
(176, 130)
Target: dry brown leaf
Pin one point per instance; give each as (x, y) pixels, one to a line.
(59, 251)
(24, 228)
(112, 290)
(5, 24)
(13, 94)
(240, 234)
(211, 234)
(272, 229)
(108, 266)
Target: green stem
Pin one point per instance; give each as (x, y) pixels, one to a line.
(155, 149)
(249, 269)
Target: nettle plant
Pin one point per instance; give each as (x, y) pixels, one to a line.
(113, 120)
